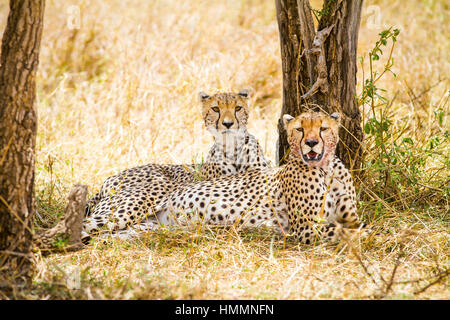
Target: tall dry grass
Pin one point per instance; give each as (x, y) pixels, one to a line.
(120, 89)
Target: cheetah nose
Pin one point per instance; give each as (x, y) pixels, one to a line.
(311, 143)
(228, 124)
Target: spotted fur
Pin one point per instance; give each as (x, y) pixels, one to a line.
(128, 197)
(310, 197)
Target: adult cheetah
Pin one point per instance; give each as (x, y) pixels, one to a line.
(309, 197)
(128, 197)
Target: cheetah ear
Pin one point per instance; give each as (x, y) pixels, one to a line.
(336, 116)
(203, 96)
(286, 119)
(244, 93)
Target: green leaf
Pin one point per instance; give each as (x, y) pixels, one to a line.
(367, 128)
(408, 140)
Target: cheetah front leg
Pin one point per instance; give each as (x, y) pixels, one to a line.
(342, 192)
(345, 211)
(314, 225)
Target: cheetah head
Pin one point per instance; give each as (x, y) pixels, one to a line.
(313, 136)
(225, 112)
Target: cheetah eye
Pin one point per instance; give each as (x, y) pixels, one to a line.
(238, 108)
(215, 109)
(299, 129)
(324, 128)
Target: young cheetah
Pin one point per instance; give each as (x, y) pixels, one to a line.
(128, 197)
(311, 196)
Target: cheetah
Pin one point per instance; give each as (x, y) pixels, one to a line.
(310, 197)
(126, 198)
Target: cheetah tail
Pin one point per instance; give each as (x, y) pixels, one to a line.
(91, 203)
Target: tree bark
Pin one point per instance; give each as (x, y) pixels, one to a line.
(320, 70)
(19, 62)
(289, 30)
(66, 235)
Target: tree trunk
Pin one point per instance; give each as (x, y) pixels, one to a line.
(19, 62)
(319, 68)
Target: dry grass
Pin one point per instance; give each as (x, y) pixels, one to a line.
(121, 91)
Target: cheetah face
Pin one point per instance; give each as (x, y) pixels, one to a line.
(313, 136)
(225, 113)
